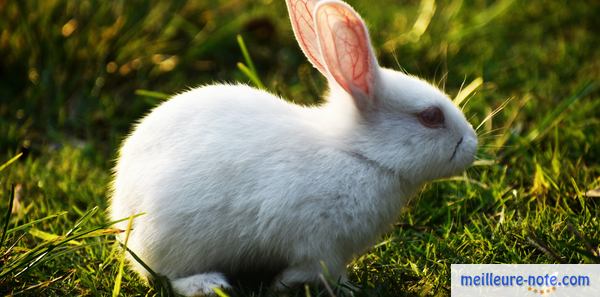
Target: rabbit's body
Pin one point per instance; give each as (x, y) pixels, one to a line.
(272, 205)
(232, 179)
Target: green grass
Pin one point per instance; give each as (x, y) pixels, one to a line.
(76, 74)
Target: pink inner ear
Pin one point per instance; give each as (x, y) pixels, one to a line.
(345, 47)
(303, 25)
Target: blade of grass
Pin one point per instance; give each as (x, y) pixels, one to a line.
(9, 249)
(482, 19)
(326, 285)
(26, 225)
(11, 200)
(12, 160)
(245, 53)
(49, 236)
(43, 284)
(39, 252)
(117, 287)
(555, 116)
(252, 76)
(220, 292)
(427, 10)
(139, 260)
(164, 285)
(152, 94)
(86, 216)
(250, 70)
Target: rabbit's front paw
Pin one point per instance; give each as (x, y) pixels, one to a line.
(200, 284)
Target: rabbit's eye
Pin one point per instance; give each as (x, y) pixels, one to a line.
(432, 117)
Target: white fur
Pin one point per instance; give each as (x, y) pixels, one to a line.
(200, 284)
(230, 178)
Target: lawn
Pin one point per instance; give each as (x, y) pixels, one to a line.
(75, 75)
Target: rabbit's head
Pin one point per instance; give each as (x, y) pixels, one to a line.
(406, 125)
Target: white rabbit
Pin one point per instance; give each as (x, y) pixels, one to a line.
(231, 178)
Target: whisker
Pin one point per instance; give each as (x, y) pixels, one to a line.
(467, 100)
(490, 136)
(400, 68)
(436, 82)
(496, 111)
(488, 139)
(443, 81)
(491, 131)
(444, 61)
(467, 92)
(462, 85)
(473, 170)
(496, 146)
(471, 118)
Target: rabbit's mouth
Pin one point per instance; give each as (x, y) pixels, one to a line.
(464, 152)
(456, 149)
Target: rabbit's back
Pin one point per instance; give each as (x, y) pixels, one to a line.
(206, 127)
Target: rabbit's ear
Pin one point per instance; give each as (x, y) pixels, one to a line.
(346, 50)
(303, 25)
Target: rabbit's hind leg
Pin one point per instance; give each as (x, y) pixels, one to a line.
(308, 273)
(200, 284)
